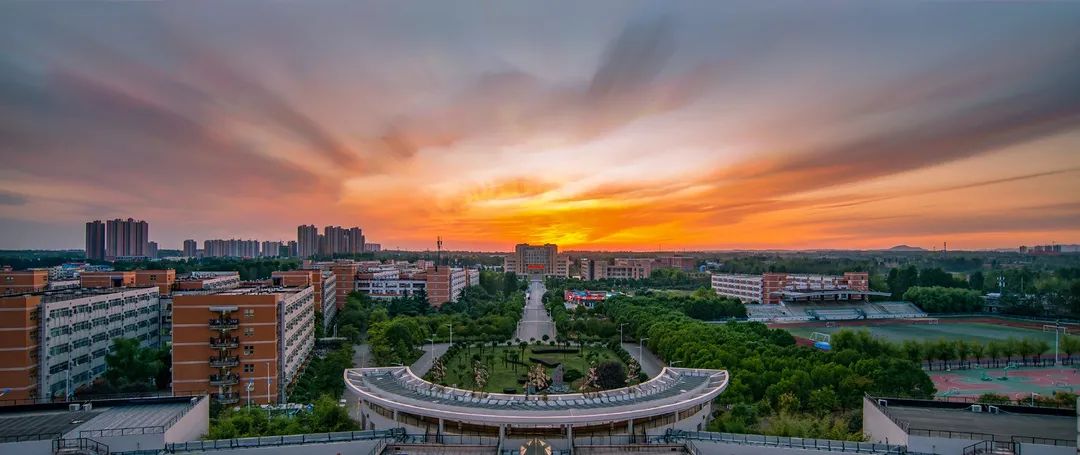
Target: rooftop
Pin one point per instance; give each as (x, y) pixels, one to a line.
(50, 420)
(60, 295)
(932, 417)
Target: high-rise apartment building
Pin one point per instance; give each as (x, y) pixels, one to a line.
(126, 239)
(191, 248)
(232, 248)
(270, 249)
(307, 241)
(54, 343)
(537, 259)
(151, 249)
(292, 246)
(95, 241)
(242, 344)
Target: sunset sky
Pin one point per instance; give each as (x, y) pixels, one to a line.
(594, 125)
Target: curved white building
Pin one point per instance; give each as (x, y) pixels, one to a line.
(394, 397)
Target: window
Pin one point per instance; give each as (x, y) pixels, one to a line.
(249, 313)
(249, 350)
(249, 368)
(249, 331)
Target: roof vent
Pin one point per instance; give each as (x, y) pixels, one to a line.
(976, 408)
(87, 407)
(883, 403)
(73, 407)
(993, 409)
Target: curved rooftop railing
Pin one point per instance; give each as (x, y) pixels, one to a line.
(674, 389)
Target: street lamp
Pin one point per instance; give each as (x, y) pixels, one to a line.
(641, 351)
(432, 353)
(451, 325)
(673, 362)
(620, 332)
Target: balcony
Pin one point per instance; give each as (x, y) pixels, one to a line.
(224, 362)
(220, 380)
(226, 398)
(224, 343)
(224, 324)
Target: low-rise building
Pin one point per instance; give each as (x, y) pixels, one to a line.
(208, 281)
(19, 281)
(773, 288)
(107, 279)
(54, 343)
(538, 260)
(242, 344)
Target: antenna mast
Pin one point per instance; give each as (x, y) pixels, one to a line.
(438, 253)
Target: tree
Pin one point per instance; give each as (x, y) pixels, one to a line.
(633, 370)
(438, 371)
(591, 381)
(1009, 347)
(994, 350)
(824, 400)
(977, 350)
(130, 367)
(480, 375)
(976, 281)
(538, 377)
(1025, 348)
(610, 375)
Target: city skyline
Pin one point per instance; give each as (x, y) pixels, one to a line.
(619, 126)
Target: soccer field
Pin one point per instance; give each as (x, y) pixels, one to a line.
(969, 331)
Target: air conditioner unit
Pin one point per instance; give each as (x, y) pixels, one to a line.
(87, 407)
(883, 403)
(73, 407)
(976, 408)
(993, 409)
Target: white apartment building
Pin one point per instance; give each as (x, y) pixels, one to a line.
(296, 331)
(329, 299)
(747, 288)
(388, 283)
(78, 328)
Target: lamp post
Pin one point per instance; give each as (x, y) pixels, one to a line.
(250, 387)
(432, 353)
(641, 351)
(451, 325)
(620, 332)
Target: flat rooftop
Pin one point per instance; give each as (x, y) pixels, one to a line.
(60, 295)
(47, 421)
(1003, 425)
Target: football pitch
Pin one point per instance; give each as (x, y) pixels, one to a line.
(949, 330)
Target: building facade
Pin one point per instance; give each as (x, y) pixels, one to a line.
(191, 248)
(242, 344)
(307, 241)
(537, 259)
(55, 342)
(126, 239)
(19, 281)
(773, 288)
(95, 241)
(325, 285)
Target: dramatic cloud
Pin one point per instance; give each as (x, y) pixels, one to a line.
(599, 125)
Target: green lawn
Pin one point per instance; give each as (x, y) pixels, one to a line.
(968, 331)
(504, 375)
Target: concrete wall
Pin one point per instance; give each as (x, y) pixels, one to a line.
(1040, 449)
(193, 425)
(335, 448)
(43, 447)
(944, 446)
(127, 443)
(879, 428)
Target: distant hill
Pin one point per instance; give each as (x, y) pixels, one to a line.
(906, 248)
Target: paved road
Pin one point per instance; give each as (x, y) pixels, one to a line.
(535, 320)
(361, 356)
(651, 364)
(421, 366)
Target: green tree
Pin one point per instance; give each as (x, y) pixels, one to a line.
(130, 367)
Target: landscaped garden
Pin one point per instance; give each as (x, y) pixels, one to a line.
(506, 368)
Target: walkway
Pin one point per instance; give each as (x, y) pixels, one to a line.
(535, 320)
(421, 366)
(651, 364)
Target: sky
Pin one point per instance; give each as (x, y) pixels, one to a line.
(614, 125)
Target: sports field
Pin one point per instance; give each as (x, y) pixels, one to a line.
(1016, 383)
(946, 329)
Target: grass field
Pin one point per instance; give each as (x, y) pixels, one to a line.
(459, 372)
(969, 331)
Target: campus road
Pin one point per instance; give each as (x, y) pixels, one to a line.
(535, 320)
(650, 365)
(421, 366)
